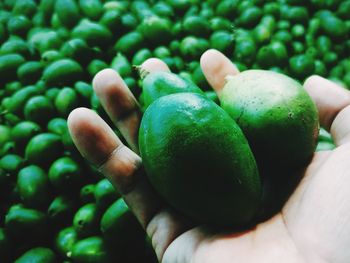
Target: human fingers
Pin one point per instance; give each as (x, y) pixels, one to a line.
(97, 142)
(119, 103)
(216, 66)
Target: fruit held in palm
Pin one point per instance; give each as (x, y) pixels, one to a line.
(276, 115)
(199, 161)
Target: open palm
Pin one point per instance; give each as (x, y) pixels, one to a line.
(314, 224)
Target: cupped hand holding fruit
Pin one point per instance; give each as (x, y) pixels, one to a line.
(313, 225)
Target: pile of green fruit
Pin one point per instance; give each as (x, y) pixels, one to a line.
(55, 207)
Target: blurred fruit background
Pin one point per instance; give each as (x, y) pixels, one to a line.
(55, 207)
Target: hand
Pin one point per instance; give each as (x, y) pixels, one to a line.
(314, 224)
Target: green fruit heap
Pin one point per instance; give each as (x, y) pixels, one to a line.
(51, 49)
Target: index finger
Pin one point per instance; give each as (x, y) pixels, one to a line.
(118, 101)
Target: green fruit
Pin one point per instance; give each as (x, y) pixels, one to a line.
(5, 134)
(45, 40)
(141, 9)
(163, 9)
(29, 72)
(123, 234)
(272, 55)
(87, 193)
(179, 6)
(11, 119)
(192, 47)
(39, 20)
(222, 41)
(111, 19)
(68, 143)
(120, 227)
(11, 163)
(93, 33)
(22, 224)
(8, 66)
(250, 16)
(51, 93)
(334, 27)
(77, 49)
(227, 8)
(65, 174)
(67, 12)
(105, 194)
(61, 210)
(153, 26)
(298, 31)
(211, 144)
(302, 66)
(57, 126)
(196, 25)
(43, 148)
(66, 101)
(91, 249)
(162, 52)
(273, 111)
(95, 66)
(121, 64)
(344, 10)
(129, 22)
(16, 45)
(33, 186)
(65, 240)
(47, 7)
(19, 25)
(91, 8)
(20, 97)
(24, 131)
(37, 255)
(86, 220)
(298, 14)
(245, 50)
(25, 7)
(62, 72)
(39, 109)
(84, 89)
(11, 88)
(220, 23)
(158, 84)
(141, 55)
(129, 42)
(50, 56)
(283, 36)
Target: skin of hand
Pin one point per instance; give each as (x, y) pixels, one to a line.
(313, 225)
